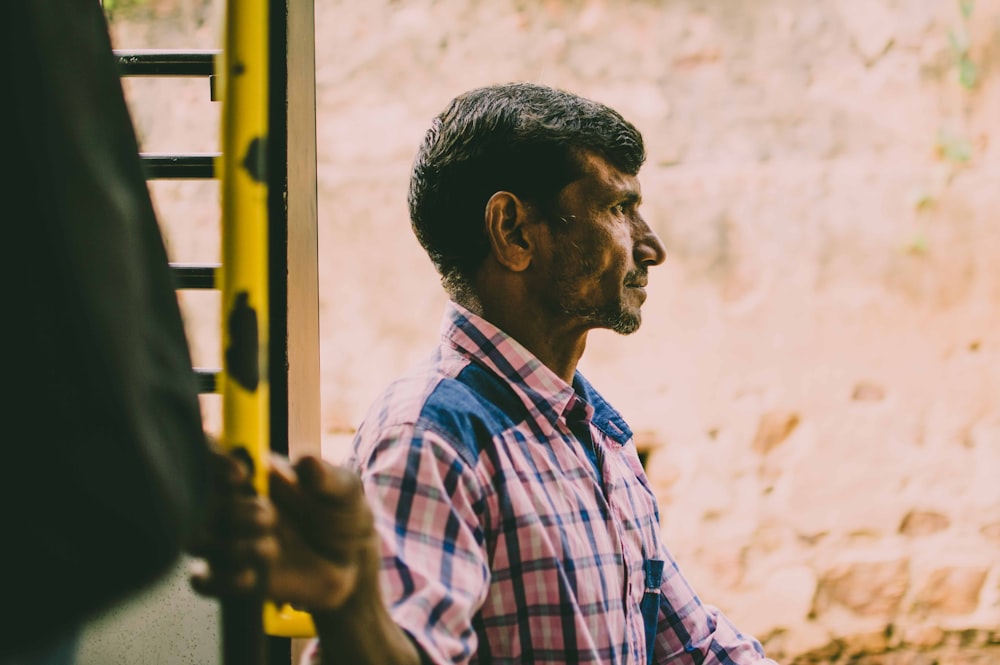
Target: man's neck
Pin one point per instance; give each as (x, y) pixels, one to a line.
(558, 347)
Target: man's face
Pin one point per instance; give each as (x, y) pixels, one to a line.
(600, 250)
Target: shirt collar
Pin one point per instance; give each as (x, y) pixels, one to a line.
(545, 394)
(602, 415)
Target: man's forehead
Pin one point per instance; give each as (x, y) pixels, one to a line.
(599, 170)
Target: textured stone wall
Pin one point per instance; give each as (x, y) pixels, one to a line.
(818, 374)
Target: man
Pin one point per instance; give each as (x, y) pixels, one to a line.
(515, 522)
(102, 428)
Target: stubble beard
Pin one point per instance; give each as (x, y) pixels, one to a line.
(625, 322)
(615, 316)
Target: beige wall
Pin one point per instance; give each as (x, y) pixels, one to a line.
(819, 368)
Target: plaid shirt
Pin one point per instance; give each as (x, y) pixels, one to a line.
(517, 523)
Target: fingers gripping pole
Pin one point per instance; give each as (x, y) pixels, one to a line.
(244, 274)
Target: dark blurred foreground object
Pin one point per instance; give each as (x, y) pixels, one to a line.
(103, 448)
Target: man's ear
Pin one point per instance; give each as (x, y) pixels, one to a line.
(509, 229)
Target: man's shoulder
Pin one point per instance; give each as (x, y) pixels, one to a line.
(474, 395)
(464, 404)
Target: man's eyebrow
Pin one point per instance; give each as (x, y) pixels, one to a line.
(629, 196)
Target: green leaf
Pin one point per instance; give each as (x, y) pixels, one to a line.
(966, 7)
(958, 40)
(954, 148)
(918, 245)
(968, 73)
(924, 200)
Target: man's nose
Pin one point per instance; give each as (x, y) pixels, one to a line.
(649, 249)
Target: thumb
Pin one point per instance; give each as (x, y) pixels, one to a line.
(326, 481)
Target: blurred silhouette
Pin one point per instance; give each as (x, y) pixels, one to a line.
(103, 437)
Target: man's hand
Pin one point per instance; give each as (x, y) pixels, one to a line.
(311, 543)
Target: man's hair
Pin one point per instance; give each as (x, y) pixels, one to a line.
(519, 137)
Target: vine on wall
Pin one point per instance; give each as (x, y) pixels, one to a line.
(954, 148)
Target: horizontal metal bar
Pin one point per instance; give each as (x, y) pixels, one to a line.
(167, 63)
(207, 380)
(179, 167)
(194, 276)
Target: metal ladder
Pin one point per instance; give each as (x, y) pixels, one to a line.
(200, 166)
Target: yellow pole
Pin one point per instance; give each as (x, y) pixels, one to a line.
(244, 379)
(245, 395)
(244, 275)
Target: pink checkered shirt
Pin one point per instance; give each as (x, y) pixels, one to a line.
(517, 523)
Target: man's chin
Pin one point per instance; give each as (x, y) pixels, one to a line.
(625, 323)
(626, 330)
